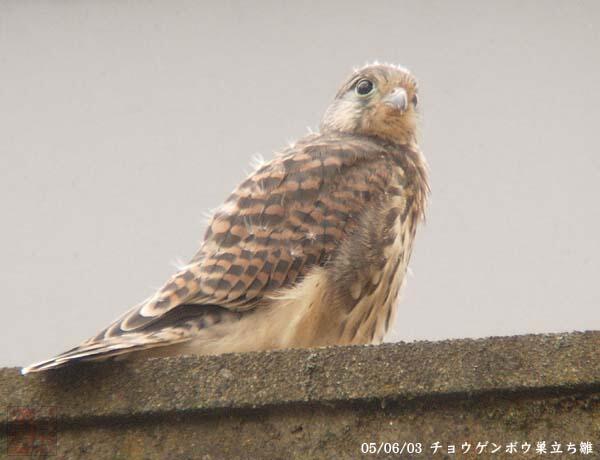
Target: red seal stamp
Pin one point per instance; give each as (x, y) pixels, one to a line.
(31, 431)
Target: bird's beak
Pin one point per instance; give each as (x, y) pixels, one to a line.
(397, 100)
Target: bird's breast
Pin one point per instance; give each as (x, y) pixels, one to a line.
(376, 294)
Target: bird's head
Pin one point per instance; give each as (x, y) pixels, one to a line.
(377, 100)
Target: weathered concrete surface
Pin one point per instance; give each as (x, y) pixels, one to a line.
(320, 403)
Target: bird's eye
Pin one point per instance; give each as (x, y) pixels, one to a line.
(364, 87)
(415, 100)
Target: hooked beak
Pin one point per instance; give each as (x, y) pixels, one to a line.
(397, 100)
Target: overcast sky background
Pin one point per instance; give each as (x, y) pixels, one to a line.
(122, 123)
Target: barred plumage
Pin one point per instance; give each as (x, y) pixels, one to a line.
(311, 249)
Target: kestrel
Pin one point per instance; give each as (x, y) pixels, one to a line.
(310, 250)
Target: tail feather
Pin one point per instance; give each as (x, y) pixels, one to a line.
(98, 351)
(180, 325)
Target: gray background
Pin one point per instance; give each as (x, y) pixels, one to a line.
(123, 123)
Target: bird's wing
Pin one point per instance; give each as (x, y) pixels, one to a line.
(287, 217)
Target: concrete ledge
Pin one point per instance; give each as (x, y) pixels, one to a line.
(182, 398)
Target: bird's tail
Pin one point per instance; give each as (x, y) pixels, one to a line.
(183, 324)
(107, 348)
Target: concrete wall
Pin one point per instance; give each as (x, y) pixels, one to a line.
(321, 403)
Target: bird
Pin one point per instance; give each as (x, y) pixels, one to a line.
(310, 250)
